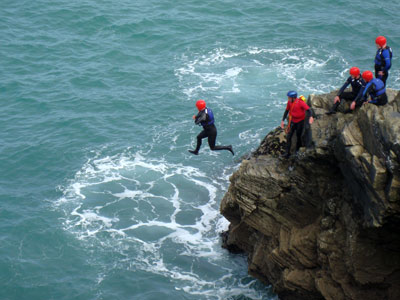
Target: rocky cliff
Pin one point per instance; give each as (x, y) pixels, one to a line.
(324, 224)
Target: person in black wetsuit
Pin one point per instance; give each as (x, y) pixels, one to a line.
(375, 90)
(357, 87)
(205, 118)
(383, 59)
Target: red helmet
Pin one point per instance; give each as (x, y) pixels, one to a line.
(201, 104)
(381, 41)
(354, 71)
(367, 76)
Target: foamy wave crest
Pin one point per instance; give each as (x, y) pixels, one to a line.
(106, 185)
(244, 72)
(215, 71)
(156, 217)
(302, 67)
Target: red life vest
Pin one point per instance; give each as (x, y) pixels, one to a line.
(298, 111)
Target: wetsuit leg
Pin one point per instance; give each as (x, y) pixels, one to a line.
(384, 77)
(200, 136)
(382, 99)
(299, 131)
(333, 108)
(348, 96)
(212, 137)
(307, 134)
(377, 68)
(289, 139)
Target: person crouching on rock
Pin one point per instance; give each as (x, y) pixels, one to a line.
(357, 87)
(375, 90)
(296, 109)
(205, 118)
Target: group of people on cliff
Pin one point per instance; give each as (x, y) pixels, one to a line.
(364, 89)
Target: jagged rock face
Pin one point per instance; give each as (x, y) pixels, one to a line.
(325, 224)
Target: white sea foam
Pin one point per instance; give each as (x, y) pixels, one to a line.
(253, 136)
(233, 72)
(129, 203)
(199, 69)
(228, 72)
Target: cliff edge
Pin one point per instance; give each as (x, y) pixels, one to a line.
(326, 223)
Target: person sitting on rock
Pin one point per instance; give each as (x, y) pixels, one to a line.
(357, 87)
(296, 109)
(383, 59)
(375, 89)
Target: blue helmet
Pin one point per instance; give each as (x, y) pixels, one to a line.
(292, 94)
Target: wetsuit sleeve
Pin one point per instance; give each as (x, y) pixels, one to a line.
(285, 115)
(201, 117)
(345, 85)
(309, 113)
(370, 89)
(360, 95)
(386, 57)
(286, 111)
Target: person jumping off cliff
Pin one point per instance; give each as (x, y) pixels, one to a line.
(357, 87)
(205, 118)
(296, 109)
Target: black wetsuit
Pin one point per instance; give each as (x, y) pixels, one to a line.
(205, 118)
(357, 88)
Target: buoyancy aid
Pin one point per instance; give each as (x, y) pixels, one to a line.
(380, 59)
(210, 117)
(379, 88)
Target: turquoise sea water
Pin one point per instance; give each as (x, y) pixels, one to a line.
(99, 198)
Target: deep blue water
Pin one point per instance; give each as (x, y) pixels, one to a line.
(99, 198)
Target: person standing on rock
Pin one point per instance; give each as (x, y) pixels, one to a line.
(205, 118)
(375, 90)
(357, 87)
(296, 109)
(383, 59)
